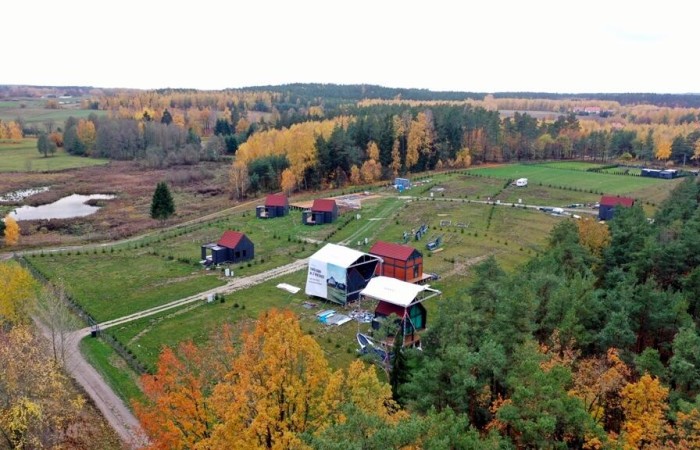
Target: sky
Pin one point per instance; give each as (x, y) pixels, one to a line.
(477, 46)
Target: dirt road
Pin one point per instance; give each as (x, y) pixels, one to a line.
(112, 407)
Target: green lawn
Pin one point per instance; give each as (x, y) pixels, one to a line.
(571, 165)
(598, 182)
(24, 157)
(111, 285)
(113, 369)
(35, 113)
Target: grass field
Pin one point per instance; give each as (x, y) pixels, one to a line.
(110, 285)
(112, 368)
(571, 165)
(24, 157)
(34, 112)
(646, 189)
(133, 278)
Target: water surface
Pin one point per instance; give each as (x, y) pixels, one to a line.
(65, 208)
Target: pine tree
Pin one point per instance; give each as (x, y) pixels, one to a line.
(162, 205)
(399, 365)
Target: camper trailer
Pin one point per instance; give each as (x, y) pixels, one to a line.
(521, 182)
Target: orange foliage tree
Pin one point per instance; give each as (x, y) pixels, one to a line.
(593, 235)
(644, 406)
(265, 392)
(11, 231)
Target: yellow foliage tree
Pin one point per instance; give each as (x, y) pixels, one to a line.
(12, 231)
(371, 171)
(289, 181)
(463, 158)
(239, 179)
(14, 131)
(37, 405)
(663, 150)
(355, 175)
(644, 405)
(593, 235)
(17, 295)
(395, 159)
(87, 135)
(373, 151)
(696, 150)
(242, 125)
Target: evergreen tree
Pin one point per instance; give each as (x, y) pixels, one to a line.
(399, 367)
(162, 205)
(167, 118)
(42, 144)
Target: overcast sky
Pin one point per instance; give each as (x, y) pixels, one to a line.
(483, 46)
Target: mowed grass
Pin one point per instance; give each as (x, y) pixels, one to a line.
(113, 369)
(637, 187)
(35, 113)
(23, 156)
(571, 165)
(147, 337)
(110, 285)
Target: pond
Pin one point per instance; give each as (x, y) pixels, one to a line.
(21, 194)
(65, 208)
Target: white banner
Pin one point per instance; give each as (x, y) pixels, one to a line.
(316, 279)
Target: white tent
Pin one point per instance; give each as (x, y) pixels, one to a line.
(339, 273)
(397, 292)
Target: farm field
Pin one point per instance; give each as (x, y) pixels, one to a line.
(35, 113)
(24, 157)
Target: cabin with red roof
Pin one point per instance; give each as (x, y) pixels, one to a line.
(608, 203)
(402, 262)
(323, 210)
(276, 205)
(233, 247)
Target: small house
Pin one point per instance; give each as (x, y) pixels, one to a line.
(323, 210)
(276, 205)
(233, 247)
(403, 299)
(608, 204)
(402, 262)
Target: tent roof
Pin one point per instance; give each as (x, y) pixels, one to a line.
(276, 200)
(609, 200)
(230, 239)
(323, 204)
(338, 255)
(391, 250)
(395, 291)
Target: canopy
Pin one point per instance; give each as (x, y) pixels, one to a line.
(397, 292)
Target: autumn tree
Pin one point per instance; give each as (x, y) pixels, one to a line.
(87, 135)
(269, 390)
(355, 175)
(663, 150)
(239, 179)
(37, 406)
(395, 159)
(17, 296)
(162, 204)
(593, 235)
(644, 406)
(289, 181)
(45, 145)
(12, 231)
(54, 314)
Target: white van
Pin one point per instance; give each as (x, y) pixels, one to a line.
(521, 182)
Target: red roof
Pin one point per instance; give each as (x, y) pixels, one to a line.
(323, 204)
(230, 239)
(391, 250)
(386, 309)
(276, 200)
(609, 200)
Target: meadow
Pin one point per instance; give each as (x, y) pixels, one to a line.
(164, 266)
(34, 112)
(23, 156)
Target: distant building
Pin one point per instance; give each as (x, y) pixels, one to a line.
(402, 262)
(276, 205)
(323, 210)
(233, 247)
(608, 204)
(667, 174)
(402, 183)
